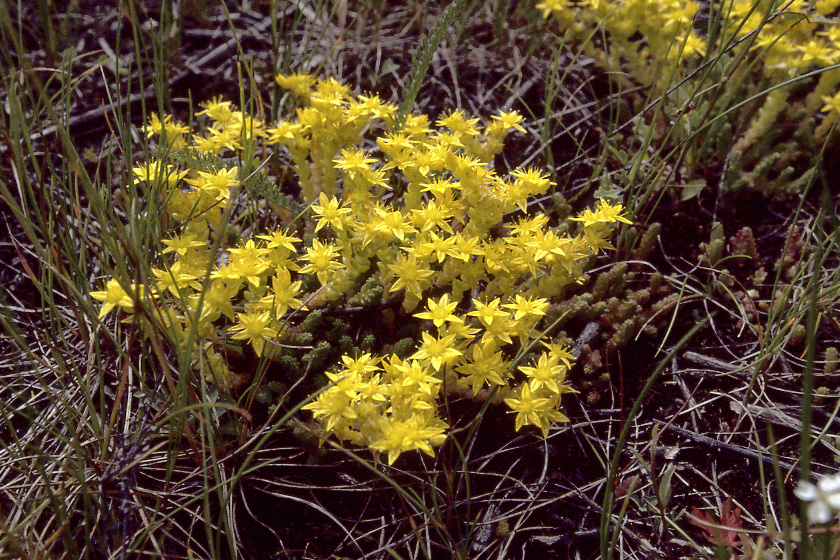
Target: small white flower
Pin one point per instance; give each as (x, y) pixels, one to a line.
(824, 497)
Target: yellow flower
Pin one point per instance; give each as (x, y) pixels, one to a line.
(536, 182)
(299, 84)
(549, 7)
(112, 296)
(440, 312)
(560, 352)
(320, 257)
(393, 223)
(282, 296)
(410, 275)
(280, 239)
(496, 256)
(218, 298)
(254, 327)
(360, 367)
(457, 122)
(525, 307)
(546, 373)
(527, 182)
(488, 312)
(605, 213)
(172, 131)
(395, 144)
(527, 313)
(288, 134)
(416, 432)
(832, 103)
(333, 408)
(217, 109)
(216, 184)
(462, 332)
(245, 126)
(529, 226)
(153, 172)
(354, 162)
(529, 409)
(331, 88)
(182, 244)
(175, 278)
(517, 194)
(411, 373)
(247, 262)
(486, 366)
(432, 215)
(443, 232)
(433, 244)
(465, 247)
(330, 211)
(216, 140)
(816, 53)
(371, 106)
(437, 352)
(548, 246)
(509, 119)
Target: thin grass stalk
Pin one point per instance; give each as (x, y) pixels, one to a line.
(551, 90)
(245, 468)
(44, 225)
(647, 188)
(501, 14)
(806, 416)
(677, 154)
(622, 512)
(466, 536)
(423, 58)
(607, 548)
(135, 238)
(780, 493)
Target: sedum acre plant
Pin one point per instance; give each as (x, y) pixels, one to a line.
(415, 216)
(640, 35)
(768, 66)
(791, 37)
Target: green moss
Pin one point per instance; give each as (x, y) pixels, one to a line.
(312, 321)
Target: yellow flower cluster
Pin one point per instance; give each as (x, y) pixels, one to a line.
(792, 36)
(643, 34)
(419, 211)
